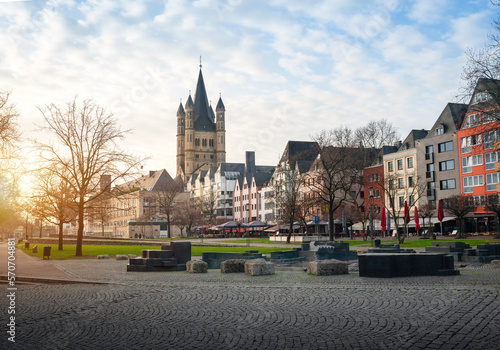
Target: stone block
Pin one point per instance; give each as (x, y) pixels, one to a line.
(132, 256)
(328, 267)
(121, 257)
(232, 265)
(196, 266)
(258, 267)
(103, 256)
(495, 262)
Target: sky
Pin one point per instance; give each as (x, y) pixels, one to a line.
(285, 69)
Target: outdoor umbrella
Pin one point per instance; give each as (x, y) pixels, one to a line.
(406, 218)
(383, 221)
(440, 214)
(407, 214)
(417, 225)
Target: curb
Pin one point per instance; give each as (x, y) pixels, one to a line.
(21, 279)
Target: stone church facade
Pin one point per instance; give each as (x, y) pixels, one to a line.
(201, 133)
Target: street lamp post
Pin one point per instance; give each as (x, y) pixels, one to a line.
(371, 214)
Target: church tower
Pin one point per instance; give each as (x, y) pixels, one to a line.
(201, 140)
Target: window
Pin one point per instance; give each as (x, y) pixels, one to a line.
(391, 184)
(471, 181)
(467, 142)
(411, 200)
(491, 182)
(490, 138)
(466, 165)
(409, 162)
(478, 201)
(447, 184)
(429, 149)
(400, 164)
(470, 161)
(480, 97)
(445, 147)
(447, 165)
(491, 115)
(390, 166)
(440, 130)
(472, 120)
(401, 201)
(490, 159)
(401, 183)
(410, 181)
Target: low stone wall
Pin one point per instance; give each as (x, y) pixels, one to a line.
(93, 241)
(328, 267)
(259, 267)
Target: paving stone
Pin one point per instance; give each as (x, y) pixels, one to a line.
(196, 266)
(288, 310)
(259, 267)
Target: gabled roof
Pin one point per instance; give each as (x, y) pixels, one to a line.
(261, 178)
(232, 167)
(490, 86)
(379, 158)
(155, 181)
(412, 138)
(302, 151)
(451, 119)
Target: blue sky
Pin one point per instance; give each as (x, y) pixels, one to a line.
(286, 69)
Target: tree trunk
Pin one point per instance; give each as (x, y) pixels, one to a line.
(61, 224)
(331, 228)
(79, 237)
(290, 230)
(168, 226)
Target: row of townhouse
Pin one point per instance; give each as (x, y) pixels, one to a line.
(131, 209)
(457, 156)
(215, 187)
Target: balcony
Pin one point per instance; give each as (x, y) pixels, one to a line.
(429, 175)
(429, 157)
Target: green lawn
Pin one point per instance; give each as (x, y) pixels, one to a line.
(91, 251)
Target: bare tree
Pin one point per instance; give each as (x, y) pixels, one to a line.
(186, 215)
(9, 129)
(87, 148)
(459, 206)
(336, 170)
(57, 200)
(483, 65)
(9, 168)
(208, 205)
(427, 211)
(165, 198)
(493, 205)
(377, 133)
(287, 185)
(396, 193)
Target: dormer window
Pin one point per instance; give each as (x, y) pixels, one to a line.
(481, 97)
(472, 120)
(440, 130)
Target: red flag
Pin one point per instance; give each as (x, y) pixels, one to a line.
(407, 214)
(440, 210)
(417, 226)
(383, 220)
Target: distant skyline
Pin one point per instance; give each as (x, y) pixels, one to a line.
(286, 69)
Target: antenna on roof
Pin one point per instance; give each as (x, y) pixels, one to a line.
(200, 62)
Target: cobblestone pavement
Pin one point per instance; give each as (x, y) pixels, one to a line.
(289, 310)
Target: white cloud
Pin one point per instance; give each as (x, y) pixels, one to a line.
(285, 70)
